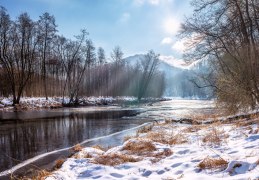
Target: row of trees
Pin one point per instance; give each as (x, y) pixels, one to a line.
(36, 61)
(226, 32)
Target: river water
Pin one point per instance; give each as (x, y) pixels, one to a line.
(26, 135)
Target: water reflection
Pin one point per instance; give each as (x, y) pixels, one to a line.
(40, 132)
(25, 139)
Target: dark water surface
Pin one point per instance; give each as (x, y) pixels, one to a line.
(24, 135)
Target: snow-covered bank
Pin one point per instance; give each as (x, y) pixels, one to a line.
(27, 103)
(173, 151)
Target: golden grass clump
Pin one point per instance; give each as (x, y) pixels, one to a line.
(77, 148)
(38, 175)
(157, 137)
(145, 129)
(59, 163)
(164, 138)
(177, 139)
(213, 163)
(146, 148)
(214, 137)
(42, 174)
(114, 159)
(98, 147)
(139, 147)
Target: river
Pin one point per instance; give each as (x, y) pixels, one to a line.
(38, 137)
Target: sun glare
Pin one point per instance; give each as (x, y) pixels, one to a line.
(171, 25)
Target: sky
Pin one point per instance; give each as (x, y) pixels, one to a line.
(135, 25)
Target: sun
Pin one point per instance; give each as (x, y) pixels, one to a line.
(171, 25)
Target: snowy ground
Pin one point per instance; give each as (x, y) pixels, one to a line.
(173, 151)
(30, 103)
(57, 102)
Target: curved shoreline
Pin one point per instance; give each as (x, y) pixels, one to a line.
(31, 160)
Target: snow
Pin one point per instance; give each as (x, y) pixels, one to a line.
(6, 102)
(56, 102)
(172, 61)
(31, 103)
(239, 146)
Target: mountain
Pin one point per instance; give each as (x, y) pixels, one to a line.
(178, 75)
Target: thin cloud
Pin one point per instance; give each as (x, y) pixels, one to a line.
(125, 17)
(151, 2)
(167, 40)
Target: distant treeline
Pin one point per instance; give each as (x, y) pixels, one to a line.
(183, 85)
(36, 61)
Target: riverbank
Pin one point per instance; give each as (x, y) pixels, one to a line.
(37, 103)
(168, 150)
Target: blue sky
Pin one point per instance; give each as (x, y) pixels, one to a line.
(135, 25)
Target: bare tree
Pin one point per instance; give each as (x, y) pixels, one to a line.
(46, 33)
(227, 33)
(35, 61)
(117, 56)
(101, 55)
(149, 66)
(18, 51)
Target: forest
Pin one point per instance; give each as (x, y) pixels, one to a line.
(35, 61)
(226, 34)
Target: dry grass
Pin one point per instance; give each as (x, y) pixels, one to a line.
(202, 117)
(214, 137)
(177, 139)
(192, 128)
(99, 147)
(126, 138)
(164, 138)
(42, 175)
(145, 129)
(139, 146)
(59, 163)
(77, 148)
(213, 163)
(243, 123)
(146, 148)
(37, 175)
(114, 159)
